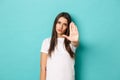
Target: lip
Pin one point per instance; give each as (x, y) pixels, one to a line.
(59, 30)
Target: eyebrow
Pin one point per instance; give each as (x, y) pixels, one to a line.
(63, 23)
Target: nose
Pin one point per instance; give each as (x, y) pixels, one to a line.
(61, 26)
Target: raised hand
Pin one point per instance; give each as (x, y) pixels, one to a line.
(74, 35)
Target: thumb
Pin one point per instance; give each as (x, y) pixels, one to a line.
(65, 36)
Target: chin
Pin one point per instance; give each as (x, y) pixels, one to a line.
(60, 33)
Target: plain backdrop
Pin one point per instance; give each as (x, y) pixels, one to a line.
(24, 24)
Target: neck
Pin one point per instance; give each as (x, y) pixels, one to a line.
(60, 36)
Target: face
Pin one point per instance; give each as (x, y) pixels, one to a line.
(61, 26)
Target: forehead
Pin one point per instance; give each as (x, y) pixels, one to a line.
(62, 19)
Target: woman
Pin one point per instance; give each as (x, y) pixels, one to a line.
(58, 52)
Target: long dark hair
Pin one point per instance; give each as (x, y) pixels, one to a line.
(53, 41)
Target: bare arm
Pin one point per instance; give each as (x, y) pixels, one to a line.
(43, 63)
(75, 43)
(74, 35)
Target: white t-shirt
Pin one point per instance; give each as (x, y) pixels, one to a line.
(60, 66)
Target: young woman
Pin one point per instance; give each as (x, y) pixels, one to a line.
(58, 51)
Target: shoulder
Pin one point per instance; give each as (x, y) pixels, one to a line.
(45, 45)
(47, 40)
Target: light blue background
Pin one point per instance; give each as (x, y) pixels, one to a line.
(25, 23)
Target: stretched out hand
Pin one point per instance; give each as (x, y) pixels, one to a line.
(74, 35)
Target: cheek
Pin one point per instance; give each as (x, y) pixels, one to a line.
(65, 28)
(57, 26)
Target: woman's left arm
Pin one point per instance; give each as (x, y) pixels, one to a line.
(75, 43)
(74, 35)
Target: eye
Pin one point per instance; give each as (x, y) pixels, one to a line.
(59, 22)
(65, 24)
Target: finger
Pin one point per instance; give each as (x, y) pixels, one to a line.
(75, 30)
(70, 26)
(75, 27)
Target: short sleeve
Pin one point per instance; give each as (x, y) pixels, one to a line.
(73, 48)
(45, 46)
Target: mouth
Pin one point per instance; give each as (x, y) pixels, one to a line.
(59, 30)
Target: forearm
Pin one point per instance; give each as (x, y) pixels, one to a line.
(43, 75)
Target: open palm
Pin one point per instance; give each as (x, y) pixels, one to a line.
(74, 35)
